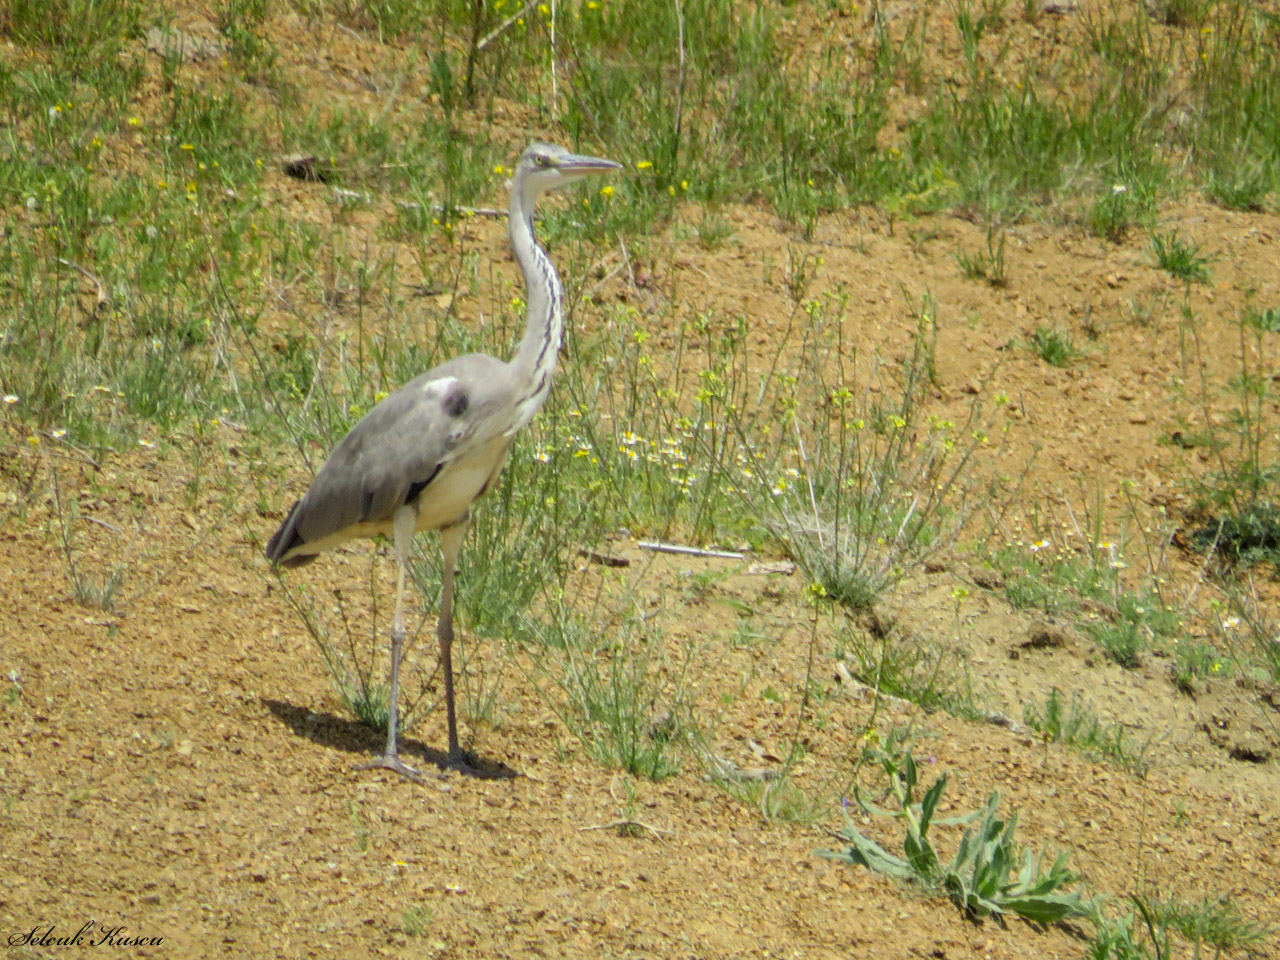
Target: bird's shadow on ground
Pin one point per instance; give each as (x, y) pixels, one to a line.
(351, 736)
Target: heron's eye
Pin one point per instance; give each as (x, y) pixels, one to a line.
(542, 160)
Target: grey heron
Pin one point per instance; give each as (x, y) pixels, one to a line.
(421, 457)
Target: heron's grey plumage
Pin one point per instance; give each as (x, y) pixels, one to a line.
(421, 457)
(402, 446)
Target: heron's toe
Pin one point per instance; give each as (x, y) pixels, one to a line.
(466, 764)
(386, 762)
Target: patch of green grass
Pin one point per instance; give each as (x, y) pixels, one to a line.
(1138, 621)
(988, 876)
(241, 23)
(614, 689)
(1194, 660)
(1238, 189)
(911, 668)
(350, 656)
(778, 799)
(1118, 209)
(1247, 632)
(714, 231)
(415, 921)
(1118, 938)
(1122, 620)
(1179, 13)
(95, 592)
(1148, 932)
(1073, 724)
(1251, 536)
(988, 266)
(1055, 346)
(73, 25)
(1213, 923)
(1122, 642)
(1266, 320)
(1180, 258)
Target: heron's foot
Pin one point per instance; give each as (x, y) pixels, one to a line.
(392, 762)
(465, 763)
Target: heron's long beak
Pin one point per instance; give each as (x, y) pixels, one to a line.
(581, 163)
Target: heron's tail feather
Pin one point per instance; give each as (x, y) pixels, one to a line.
(286, 539)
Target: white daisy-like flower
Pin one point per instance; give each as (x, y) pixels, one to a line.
(58, 434)
(146, 443)
(11, 398)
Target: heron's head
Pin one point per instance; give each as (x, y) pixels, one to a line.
(546, 167)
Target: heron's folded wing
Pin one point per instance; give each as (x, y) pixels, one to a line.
(387, 459)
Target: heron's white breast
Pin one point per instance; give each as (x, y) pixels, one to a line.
(448, 496)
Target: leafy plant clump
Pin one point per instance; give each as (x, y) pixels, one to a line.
(1180, 258)
(1251, 536)
(988, 876)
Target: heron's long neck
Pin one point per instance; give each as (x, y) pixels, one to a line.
(535, 361)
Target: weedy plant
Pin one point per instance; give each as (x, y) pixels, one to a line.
(610, 684)
(876, 489)
(1118, 938)
(1123, 619)
(1148, 931)
(986, 878)
(1073, 724)
(1055, 346)
(349, 653)
(98, 593)
(1180, 258)
(986, 265)
(1238, 189)
(1213, 923)
(898, 664)
(1117, 210)
(1239, 500)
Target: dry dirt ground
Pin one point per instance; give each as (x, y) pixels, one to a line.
(181, 766)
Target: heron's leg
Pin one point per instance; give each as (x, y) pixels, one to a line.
(397, 649)
(450, 544)
(405, 521)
